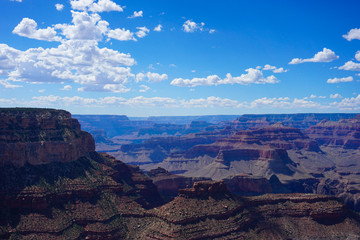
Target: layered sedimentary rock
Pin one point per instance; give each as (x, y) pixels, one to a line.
(298, 120)
(259, 152)
(61, 188)
(99, 197)
(168, 184)
(210, 211)
(156, 149)
(40, 136)
(344, 133)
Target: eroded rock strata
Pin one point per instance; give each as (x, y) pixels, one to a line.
(98, 197)
(40, 136)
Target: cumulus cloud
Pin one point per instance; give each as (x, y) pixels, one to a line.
(158, 28)
(66, 88)
(85, 27)
(80, 61)
(144, 88)
(339, 80)
(151, 77)
(59, 6)
(190, 26)
(209, 102)
(348, 104)
(28, 28)
(352, 34)
(115, 87)
(16, 0)
(143, 31)
(274, 69)
(351, 66)
(336, 95)
(136, 14)
(282, 103)
(121, 34)
(95, 6)
(253, 76)
(211, 31)
(326, 55)
(357, 56)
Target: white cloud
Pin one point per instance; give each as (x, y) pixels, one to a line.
(59, 6)
(85, 27)
(9, 85)
(66, 88)
(16, 0)
(143, 31)
(121, 34)
(339, 80)
(144, 88)
(348, 104)
(211, 31)
(151, 77)
(351, 66)
(336, 95)
(253, 76)
(136, 14)
(158, 28)
(42, 90)
(92, 6)
(282, 103)
(190, 26)
(209, 102)
(357, 56)
(116, 88)
(28, 28)
(352, 34)
(172, 65)
(82, 62)
(326, 55)
(313, 96)
(274, 69)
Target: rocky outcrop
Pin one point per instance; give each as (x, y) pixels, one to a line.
(344, 133)
(41, 136)
(83, 199)
(206, 189)
(168, 184)
(244, 184)
(298, 120)
(99, 197)
(208, 211)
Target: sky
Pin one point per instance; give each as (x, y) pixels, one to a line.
(160, 57)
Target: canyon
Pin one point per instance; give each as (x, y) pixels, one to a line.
(54, 185)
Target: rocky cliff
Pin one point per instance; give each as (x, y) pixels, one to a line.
(54, 186)
(41, 136)
(345, 133)
(209, 211)
(99, 197)
(298, 120)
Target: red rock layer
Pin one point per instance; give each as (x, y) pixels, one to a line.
(41, 136)
(345, 133)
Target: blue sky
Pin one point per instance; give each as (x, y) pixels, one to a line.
(161, 57)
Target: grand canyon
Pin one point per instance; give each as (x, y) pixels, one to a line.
(209, 177)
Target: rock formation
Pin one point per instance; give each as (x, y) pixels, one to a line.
(168, 184)
(98, 197)
(43, 136)
(209, 211)
(344, 133)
